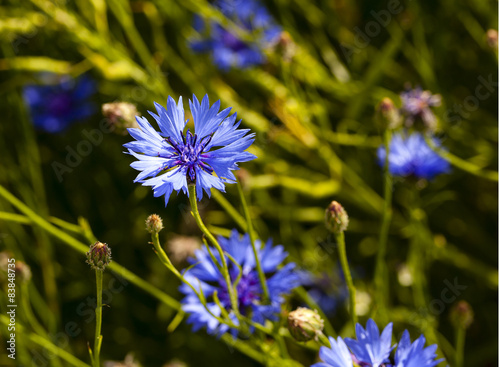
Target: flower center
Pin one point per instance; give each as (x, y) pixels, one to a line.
(60, 104)
(189, 154)
(248, 290)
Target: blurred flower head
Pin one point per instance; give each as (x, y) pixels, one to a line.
(121, 115)
(182, 247)
(327, 289)
(462, 315)
(204, 273)
(128, 362)
(416, 107)
(409, 155)
(227, 49)
(172, 159)
(57, 102)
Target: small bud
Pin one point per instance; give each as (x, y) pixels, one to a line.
(388, 116)
(336, 218)
(154, 223)
(305, 324)
(121, 115)
(462, 315)
(99, 256)
(492, 38)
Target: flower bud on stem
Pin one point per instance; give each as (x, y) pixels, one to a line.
(98, 257)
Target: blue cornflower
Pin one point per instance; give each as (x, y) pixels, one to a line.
(371, 347)
(415, 355)
(171, 159)
(336, 356)
(204, 274)
(409, 155)
(226, 48)
(416, 107)
(53, 107)
(372, 350)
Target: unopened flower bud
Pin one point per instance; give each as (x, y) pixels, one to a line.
(462, 315)
(154, 223)
(336, 218)
(388, 116)
(305, 324)
(99, 256)
(121, 115)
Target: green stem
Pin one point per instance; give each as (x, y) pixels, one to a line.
(459, 349)
(348, 277)
(251, 232)
(460, 163)
(380, 274)
(46, 344)
(230, 210)
(82, 248)
(98, 318)
(211, 238)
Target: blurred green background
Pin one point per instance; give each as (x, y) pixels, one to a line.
(316, 141)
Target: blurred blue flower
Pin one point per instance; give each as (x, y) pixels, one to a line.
(204, 274)
(409, 155)
(336, 356)
(415, 355)
(327, 290)
(226, 48)
(416, 106)
(55, 106)
(372, 350)
(171, 159)
(371, 347)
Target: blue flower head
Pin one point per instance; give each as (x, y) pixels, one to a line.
(415, 355)
(205, 274)
(409, 155)
(417, 105)
(371, 348)
(226, 48)
(336, 356)
(171, 158)
(59, 102)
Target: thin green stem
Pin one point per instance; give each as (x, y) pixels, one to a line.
(348, 277)
(82, 248)
(251, 232)
(459, 349)
(45, 344)
(230, 210)
(460, 163)
(211, 238)
(380, 274)
(98, 318)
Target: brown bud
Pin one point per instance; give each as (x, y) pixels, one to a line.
(336, 218)
(154, 223)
